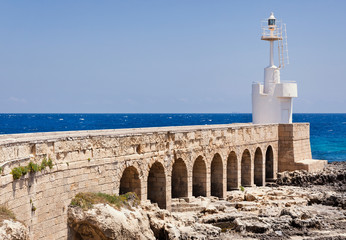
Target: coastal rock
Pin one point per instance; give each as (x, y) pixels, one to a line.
(333, 175)
(283, 212)
(250, 197)
(103, 222)
(13, 230)
(211, 209)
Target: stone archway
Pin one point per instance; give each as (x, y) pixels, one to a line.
(157, 185)
(199, 178)
(246, 169)
(130, 181)
(232, 171)
(258, 171)
(179, 179)
(269, 164)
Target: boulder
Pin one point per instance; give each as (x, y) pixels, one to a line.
(103, 222)
(13, 230)
(250, 197)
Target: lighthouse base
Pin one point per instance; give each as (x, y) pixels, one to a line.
(274, 106)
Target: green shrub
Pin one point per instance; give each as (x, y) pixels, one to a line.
(33, 167)
(44, 163)
(24, 170)
(50, 163)
(242, 188)
(1, 170)
(16, 173)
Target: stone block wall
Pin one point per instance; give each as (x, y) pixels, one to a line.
(156, 163)
(294, 146)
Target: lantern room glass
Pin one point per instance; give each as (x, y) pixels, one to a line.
(271, 22)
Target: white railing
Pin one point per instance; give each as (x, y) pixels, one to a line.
(266, 32)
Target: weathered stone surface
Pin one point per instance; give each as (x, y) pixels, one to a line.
(13, 230)
(103, 222)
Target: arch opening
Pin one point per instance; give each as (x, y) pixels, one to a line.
(269, 164)
(232, 172)
(246, 169)
(179, 179)
(216, 176)
(258, 174)
(130, 182)
(199, 178)
(157, 185)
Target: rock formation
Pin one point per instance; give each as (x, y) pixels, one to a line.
(11, 229)
(272, 212)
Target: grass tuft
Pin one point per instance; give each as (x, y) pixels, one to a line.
(88, 199)
(6, 213)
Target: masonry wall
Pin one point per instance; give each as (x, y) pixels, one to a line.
(95, 161)
(294, 145)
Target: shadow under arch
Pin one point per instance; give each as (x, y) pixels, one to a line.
(246, 169)
(232, 171)
(157, 185)
(130, 181)
(179, 179)
(269, 166)
(216, 176)
(199, 178)
(258, 167)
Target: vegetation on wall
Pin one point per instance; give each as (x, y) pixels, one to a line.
(6, 213)
(32, 167)
(86, 200)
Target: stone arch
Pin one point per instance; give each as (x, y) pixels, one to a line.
(130, 182)
(269, 167)
(232, 171)
(216, 176)
(258, 167)
(199, 178)
(157, 185)
(246, 168)
(179, 179)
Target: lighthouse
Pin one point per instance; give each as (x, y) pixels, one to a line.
(272, 100)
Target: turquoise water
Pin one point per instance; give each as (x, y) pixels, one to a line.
(327, 135)
(328, 131)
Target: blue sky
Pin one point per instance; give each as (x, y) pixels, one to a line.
(164, 56)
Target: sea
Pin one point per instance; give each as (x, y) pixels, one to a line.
(327, 131)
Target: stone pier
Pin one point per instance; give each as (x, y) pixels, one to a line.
(156, 163)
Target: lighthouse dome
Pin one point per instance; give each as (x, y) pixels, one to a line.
(271, 16)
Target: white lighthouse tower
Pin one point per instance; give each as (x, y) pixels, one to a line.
(272, 101)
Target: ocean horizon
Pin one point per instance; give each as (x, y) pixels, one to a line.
(327, 130)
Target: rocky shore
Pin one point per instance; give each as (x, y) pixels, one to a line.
(299, 205)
